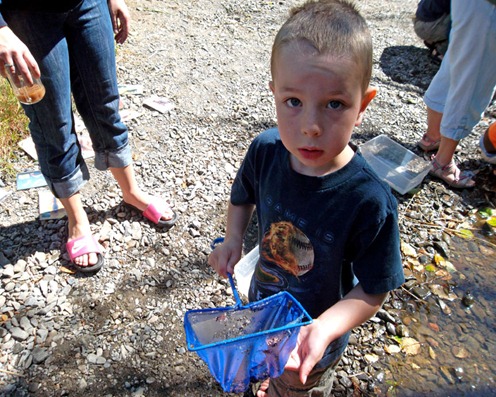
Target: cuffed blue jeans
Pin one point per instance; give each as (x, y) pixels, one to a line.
(75, 52)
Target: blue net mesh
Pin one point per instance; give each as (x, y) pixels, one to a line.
(244, 344)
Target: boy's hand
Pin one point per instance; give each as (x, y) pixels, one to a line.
(225, 256)
(354, 309)
(310, 348)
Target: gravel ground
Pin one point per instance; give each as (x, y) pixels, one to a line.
(120, 332)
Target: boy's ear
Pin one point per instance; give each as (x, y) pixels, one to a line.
(367, 98)
(271, 86)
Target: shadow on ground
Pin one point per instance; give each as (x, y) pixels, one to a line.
(409, 65)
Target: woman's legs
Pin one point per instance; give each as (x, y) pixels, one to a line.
(75, 51)
(51, 121)
(95, 91)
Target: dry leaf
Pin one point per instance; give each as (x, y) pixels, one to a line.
(444, 307)
(432, 353)
(392, 349)
(410, 346)
(440, 291)
(408, 250)
(460, 352)
(487, 252)
(450, 267)
(434, 327)
(371, 358)
(67, 270)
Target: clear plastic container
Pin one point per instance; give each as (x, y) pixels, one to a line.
(402, 169)
(243, 270)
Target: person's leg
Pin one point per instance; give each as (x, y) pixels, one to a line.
(432, 138)
(78, 226)
(471, 82)
(95, 91)
(51, 122)
(472, 73)
(132, 194)
(435, 99)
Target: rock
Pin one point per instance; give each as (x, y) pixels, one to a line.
(19, 334)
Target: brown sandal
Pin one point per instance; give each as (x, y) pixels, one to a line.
(427, 144)
(452, 175)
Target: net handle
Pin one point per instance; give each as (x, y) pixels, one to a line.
(234, 290)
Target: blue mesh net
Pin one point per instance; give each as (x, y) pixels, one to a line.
(243, 344)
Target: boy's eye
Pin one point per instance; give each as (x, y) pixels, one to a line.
(334, 104)
(293, 102)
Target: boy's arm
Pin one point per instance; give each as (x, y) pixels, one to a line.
(353, 310)
(226, 255)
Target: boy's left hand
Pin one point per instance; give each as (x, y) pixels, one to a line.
(310, 348)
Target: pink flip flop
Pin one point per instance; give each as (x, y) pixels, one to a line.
(85, 245)
(154, 213)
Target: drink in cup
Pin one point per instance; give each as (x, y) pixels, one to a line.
(26, 93)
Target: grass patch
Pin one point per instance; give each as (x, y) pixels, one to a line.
(13, 127)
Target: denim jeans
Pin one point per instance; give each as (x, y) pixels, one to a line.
(75, 52)
(465, 83)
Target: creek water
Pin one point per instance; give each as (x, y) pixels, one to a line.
(455, 329)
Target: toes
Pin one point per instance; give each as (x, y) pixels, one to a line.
(86, 260)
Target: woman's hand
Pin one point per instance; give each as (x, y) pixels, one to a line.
(119, 14)
(15, 55)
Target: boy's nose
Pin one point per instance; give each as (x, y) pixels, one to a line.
(311, 123)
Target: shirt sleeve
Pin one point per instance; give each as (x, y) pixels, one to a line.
(377, 263)
(243, 190)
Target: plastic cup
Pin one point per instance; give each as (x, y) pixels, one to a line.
(26, 93)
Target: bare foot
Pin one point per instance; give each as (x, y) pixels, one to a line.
(78, 226)
(80, 230)
(141, 200)
(134, 196)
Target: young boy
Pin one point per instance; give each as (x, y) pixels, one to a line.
(328, 228)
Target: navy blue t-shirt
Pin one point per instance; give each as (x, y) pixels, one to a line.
(318, 236)
(37, 5)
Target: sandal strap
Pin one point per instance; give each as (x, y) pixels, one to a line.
(451, 174)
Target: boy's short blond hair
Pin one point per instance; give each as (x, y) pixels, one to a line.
(333, 27)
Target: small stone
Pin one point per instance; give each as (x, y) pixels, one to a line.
(19, 334)
(39, 355)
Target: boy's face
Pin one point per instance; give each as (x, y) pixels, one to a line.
(319, 99)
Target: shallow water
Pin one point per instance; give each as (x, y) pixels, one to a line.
(457, 343)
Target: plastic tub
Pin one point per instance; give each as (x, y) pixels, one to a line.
(402, 169)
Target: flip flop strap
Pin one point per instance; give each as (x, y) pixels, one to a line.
(83, 245)
(152, 213)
